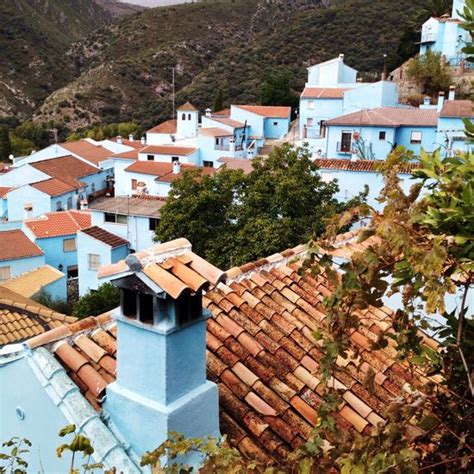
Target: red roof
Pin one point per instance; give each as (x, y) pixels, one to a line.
(128, 155)
(14, 244)
(133, 143)
(267, 110)
(105, 236)
(359, 165)
(222, 113)
(54, 187)
(168, 127)
(168, 150)
(92, 153)
(323, 93)
(237, 164)
(3, 191)
(162, 171)
(66, 168)
(389, 117)
(229, 122)
(215, 132)
(187, 107)
(56, 224)
(457, 108)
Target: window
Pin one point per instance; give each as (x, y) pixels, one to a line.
(93, 188)
(93, 261)
(115, 218)
(382, 135)
(69, 245)
(153, 223)
(208, 164)
(346, 142)
(175, 159)
(59, 206)
(122, 219)
(189, 116)
(134, 184)
(275, 124)
(72, 272)
(310, 104)
(5, 273)
(69, 203)
(309, 122)
(416, 138)
(150, 157)
(183, 117)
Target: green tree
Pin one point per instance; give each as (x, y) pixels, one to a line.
(429, 72)
(5, 143)
(219, 100)
(231, 218)
(105, 298)
(276, 89)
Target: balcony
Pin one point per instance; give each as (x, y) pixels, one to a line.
(222, 147)
(428, 38)
(344, 148)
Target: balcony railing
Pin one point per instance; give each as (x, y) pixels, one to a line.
(313, 133)
(428, 38)
(222, 147)
(344, 147)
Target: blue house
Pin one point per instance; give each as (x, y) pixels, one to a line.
(451, 126)
(55, 233)
(372, 134)
(446, 36)
(97, 247)
(134, 219)
(18, 254)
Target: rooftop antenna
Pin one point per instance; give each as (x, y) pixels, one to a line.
(174, 93)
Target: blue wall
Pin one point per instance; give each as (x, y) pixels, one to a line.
(428, 141)
(58, 289)
(452, 129)
(54, 252)
(276, 127)
(23, 265)
(323, 109)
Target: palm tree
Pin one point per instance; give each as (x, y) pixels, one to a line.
(434, 8)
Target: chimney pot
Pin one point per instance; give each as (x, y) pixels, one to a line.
(131, 137)
(119, 139)
(341, 57)
(176, 167)
(28, 208)
(208, 112)
(143, 140)
(452, 93)
(133, 263)
(440, 101)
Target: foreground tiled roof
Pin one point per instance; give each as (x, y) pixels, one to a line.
(30, 283)
(22, 318)
(92, 153)
(168, 127)
(55, 224)
(65, 168)
(14, 244)
(168, 150)
(359, 165)
(54, 187)
(148, 206)
(389, 117)
(457, 108)
(105, 236)
(260, 351)
(267, 110)
(323, 93)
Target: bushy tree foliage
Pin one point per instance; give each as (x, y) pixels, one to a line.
(105, 298)
(231, 218)
(276, 89)
(5, 143)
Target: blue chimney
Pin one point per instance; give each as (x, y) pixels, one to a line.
(161, 381)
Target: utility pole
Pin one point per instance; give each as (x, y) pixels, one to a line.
(174, 93)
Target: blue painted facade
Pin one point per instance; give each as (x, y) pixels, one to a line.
(58, 289)
(87, 245)
(451, 136)
(19, 266)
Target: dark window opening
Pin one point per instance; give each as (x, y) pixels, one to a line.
(188, 308)
(150, 157)
(275, 124)
(208, 164)
(108, 217)
(129, 303)
(189, 116)
(72, 271)
(175, 159)
(183, 117)
(382, 135)
(146, 308)
(153, 223)
(346, 141)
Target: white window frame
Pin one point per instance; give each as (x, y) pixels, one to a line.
(5, 273)
(93, 261)
(416, 141)
(310, 104)
(68, 241)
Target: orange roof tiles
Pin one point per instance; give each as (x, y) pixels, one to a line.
(323, 93)
(267, 110)
(54, 187)
(128, 155)
(260, 350)
(215, 132)
(105, 236)
(389, 117)
(168, 150)
(229, 122)
(55, 224)
(237, 164)
(14, 244)
(457, 108)
(222, 113)
(65, 168)
(188, 107)
(4, 191)
(92, 153)
(359, 165)
(163, 171)
(168, 127)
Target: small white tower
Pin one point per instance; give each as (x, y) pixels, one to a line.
(188, 120)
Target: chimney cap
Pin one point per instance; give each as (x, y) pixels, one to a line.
(441, 93)
(133, 262)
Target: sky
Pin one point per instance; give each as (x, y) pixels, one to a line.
(154, 3)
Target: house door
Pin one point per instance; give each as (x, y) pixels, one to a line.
(346, 140)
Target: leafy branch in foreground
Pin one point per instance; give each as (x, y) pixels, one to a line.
(14, 460)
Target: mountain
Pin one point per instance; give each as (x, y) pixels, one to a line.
(34, 38)
(124, 70)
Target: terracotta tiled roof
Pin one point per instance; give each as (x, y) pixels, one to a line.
(92, 153)
(237, 164)
(267, 110)
(457, 108)
(128, 155)
(260, 350)
(163, 171)
(56, 224)
(188, 107)
(132, 143)
(323, 93)
(229, 122)
(222, 113)
(105, 236)
(389, 117)
(4, 191)
(168, 127)
(14, 244)
(22, 318)
(30, 283)
(215, 132)
(359, 165)
(145, 205)
(54, 187)
(168, 150)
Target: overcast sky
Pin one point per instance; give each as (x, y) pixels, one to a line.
(155, 3)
